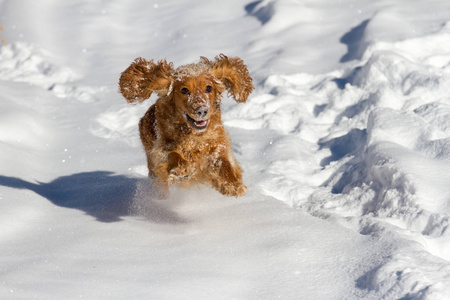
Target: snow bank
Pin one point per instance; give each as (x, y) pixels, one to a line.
(369, 145)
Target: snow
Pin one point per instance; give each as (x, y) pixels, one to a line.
(344, 145)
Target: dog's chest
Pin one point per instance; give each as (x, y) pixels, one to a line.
(205, 150)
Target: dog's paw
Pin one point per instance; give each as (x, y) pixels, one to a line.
(233, 189)
(177, 174)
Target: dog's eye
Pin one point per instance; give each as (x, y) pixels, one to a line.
(208, 89)
(184, 91)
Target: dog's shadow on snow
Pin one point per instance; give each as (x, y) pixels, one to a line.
(101, 194)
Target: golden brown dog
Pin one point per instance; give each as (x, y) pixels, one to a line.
(182, 133)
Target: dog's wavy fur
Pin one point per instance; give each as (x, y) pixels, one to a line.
(182, 133)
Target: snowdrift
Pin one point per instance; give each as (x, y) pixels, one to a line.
(368, 145)
(345, 146)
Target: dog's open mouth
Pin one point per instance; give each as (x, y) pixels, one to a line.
(199, 125)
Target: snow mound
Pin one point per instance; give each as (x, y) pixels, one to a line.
(25, 63)
(22, 62)
(381, 160)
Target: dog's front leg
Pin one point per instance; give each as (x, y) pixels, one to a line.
(229, 181)
(178, 168)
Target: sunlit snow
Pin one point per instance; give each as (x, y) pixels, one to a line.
(344, 144)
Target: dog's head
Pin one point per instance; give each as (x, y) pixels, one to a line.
(195, 89)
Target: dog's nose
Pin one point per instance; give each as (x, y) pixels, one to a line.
(201, 111)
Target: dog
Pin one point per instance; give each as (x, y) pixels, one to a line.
(182, 132)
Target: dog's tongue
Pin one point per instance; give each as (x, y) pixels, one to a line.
(200, 123)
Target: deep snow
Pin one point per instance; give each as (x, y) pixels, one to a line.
(344, 144)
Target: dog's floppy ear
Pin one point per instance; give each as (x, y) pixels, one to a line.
(143, 77)
(233, 74)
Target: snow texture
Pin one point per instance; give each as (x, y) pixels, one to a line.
(344, 144)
